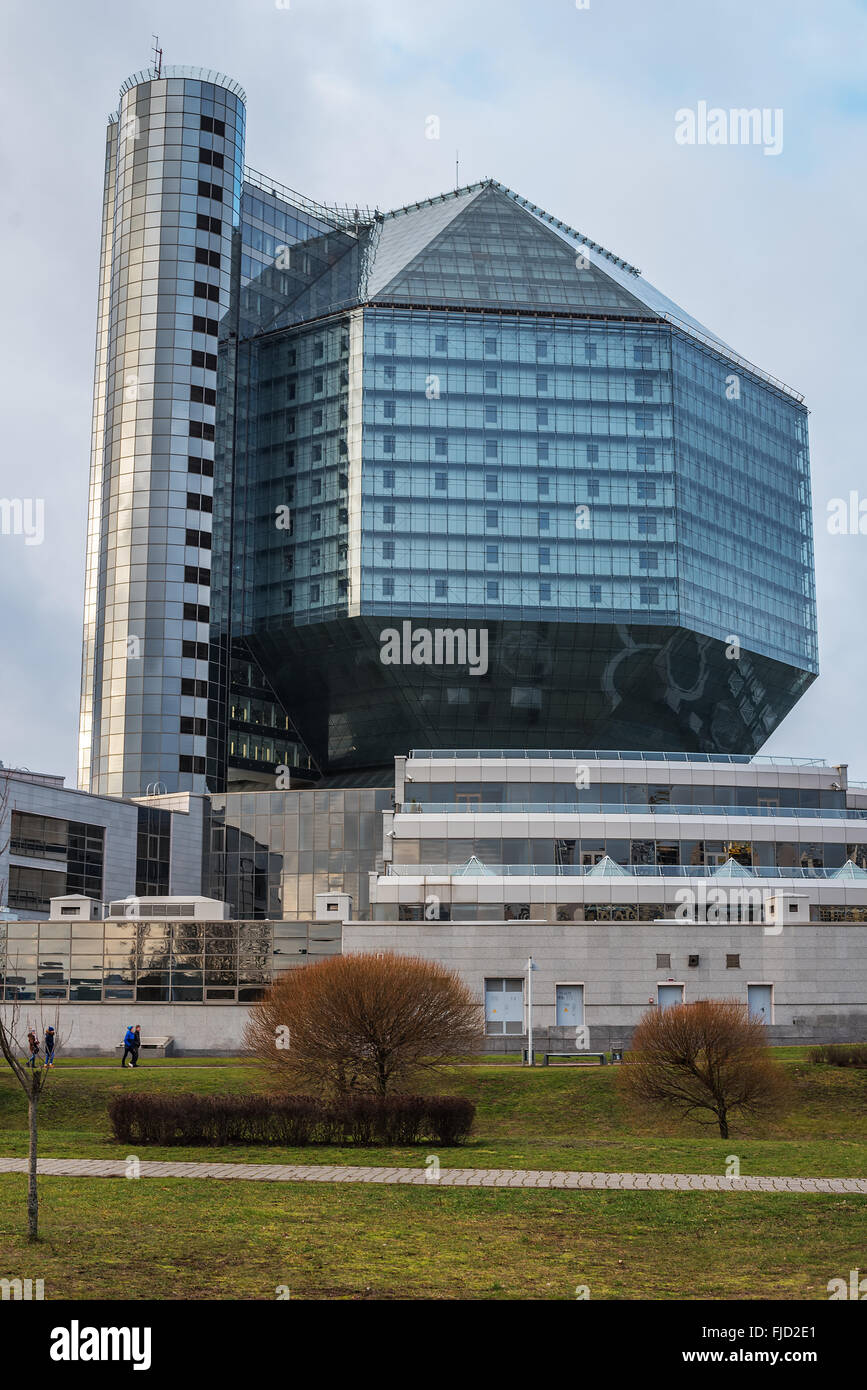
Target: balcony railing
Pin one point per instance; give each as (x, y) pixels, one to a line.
(585, 870)
(608, 808)
(616, 755)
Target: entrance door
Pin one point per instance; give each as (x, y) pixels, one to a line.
(570, 1006)
(669, 995)
(760, 1000)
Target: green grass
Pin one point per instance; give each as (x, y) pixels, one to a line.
(223, 1240)
(545, 1118)
(164, 1063)
(191, 1239)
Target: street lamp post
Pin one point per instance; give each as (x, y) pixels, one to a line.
(530, 1057)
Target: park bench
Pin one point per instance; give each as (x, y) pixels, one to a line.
(153, 1047)
(575, 1056)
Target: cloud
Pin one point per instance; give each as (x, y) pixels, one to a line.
(573, 108)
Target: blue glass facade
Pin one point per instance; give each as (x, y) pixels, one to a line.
(517, 467)
(590, 471)
(743, 508)
(466, 414)
(249, 725)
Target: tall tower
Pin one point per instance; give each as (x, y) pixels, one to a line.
(173, 173)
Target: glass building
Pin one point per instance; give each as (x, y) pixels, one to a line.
(448, 476)
(464, 415)
(268, 854)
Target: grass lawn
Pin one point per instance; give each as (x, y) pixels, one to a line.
(544, 1118)
(198, 1239)
(227, 1240)
(103, 1063)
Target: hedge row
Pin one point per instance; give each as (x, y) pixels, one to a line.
(290, 1121)
(841, 1054)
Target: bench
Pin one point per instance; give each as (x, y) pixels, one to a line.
(154, 1047)
(576, 1056)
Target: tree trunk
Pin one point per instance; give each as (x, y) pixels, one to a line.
(32, 1194)
(381, 1076)
(723, 1124)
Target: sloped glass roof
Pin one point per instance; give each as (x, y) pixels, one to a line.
(307, 280)
(483, 246)
(474, 868)
(652, 298)
(495, 254)
(402, 236)
(850, 870)
(607, 868)
(732, 869)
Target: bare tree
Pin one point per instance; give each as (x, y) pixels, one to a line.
(363, 1022)
(32, 1079)
(710, 1056)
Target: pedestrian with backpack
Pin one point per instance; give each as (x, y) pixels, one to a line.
(33, 1044)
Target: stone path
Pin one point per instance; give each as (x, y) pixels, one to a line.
(448, 1177)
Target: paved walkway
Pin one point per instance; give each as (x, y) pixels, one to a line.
(448, 1177)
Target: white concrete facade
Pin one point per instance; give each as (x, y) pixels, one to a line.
(614, 932)
(97, 1030)
(426, 841)
(817, 972)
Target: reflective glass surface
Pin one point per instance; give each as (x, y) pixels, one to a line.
(180, 962)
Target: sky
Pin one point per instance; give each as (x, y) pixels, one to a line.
(574, 108)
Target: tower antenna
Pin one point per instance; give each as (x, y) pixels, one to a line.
(457, 170)
(158, 56)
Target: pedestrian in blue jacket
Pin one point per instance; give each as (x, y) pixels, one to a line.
(129, 1046)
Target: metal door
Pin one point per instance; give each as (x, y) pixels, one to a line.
(570, 1006)
(760, 999)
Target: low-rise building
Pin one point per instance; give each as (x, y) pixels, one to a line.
(631, 880)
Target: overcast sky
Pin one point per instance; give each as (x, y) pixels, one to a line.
(574, 109)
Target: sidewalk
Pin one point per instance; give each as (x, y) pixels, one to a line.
(448, 1177)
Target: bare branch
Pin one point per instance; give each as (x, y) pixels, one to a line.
(364, 1022)
(709, 1057)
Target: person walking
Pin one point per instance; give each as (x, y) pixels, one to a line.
(50, 1043)
(128, 1045)
(33, 1044)
(136, 1044)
